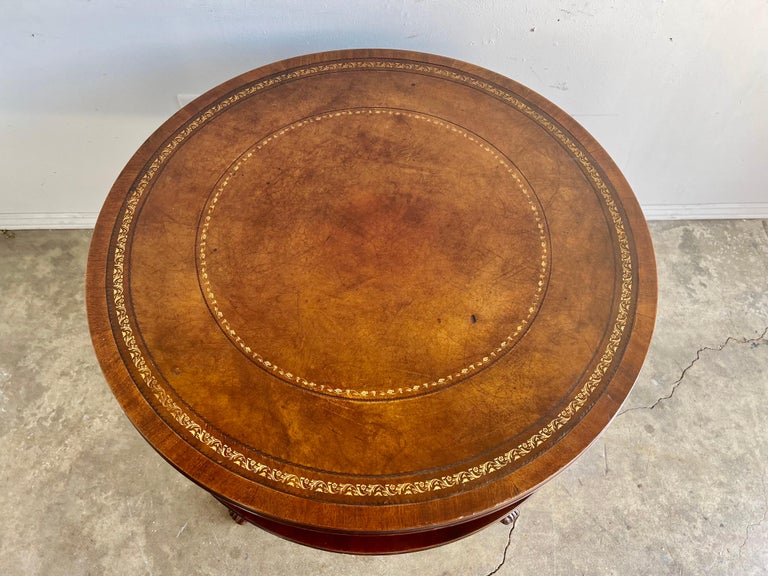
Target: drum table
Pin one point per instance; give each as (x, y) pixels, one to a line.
(370, 299)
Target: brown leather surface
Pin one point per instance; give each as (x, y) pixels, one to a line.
(371, 291)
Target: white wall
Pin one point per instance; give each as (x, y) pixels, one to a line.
(676, 91)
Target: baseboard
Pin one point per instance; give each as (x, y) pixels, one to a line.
(48, 221)
(87, 220)
(744, 210)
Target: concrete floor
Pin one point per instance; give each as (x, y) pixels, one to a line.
(678, 484)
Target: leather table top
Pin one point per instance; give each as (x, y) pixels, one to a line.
(371, 291)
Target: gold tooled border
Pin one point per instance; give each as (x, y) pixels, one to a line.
(315, 485)
(392, 392)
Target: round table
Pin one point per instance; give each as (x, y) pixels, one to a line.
(370, 299)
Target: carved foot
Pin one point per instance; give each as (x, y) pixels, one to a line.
(511, 518)
(235, 516)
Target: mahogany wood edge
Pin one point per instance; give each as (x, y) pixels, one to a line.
(379, 543)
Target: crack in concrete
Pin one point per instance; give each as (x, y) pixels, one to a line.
(506, 548)
(754, 525)
(699, 352)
